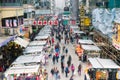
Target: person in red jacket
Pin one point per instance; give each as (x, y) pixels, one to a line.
(53, 41)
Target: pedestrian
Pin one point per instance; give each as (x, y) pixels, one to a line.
(57, 57)
(71, 78)
(53, 59)
(70, 59)
(50, 42)
(53, 41)
(72, 69)
(62, 67)
(71, 39)
(58, 76)
(65, 40)
(62, 58)
(79, 69)
(66, 51)
(66, 71)
(59, 37)
(68, 63)
(56, 73)
(63, 50)
(52, 71)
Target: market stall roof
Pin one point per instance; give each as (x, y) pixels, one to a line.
(28, 59)
(33, 49)
(41, 37)
(90, 47)
(44, 33)
(21, 42)
(78, 32)
(4, 40)
(82, 41)
(103, 63)
(37, 43)
(75, 26)
(22, 69)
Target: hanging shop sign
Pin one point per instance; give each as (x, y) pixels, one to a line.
(40, 23)
(45, 22)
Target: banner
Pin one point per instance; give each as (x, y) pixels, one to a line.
(45, 22)
(50, 22)
(39, 22)
(15, 23)
(10, 22)
(35, 23)
(7, 23)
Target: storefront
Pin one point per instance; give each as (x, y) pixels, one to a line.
(102, 69)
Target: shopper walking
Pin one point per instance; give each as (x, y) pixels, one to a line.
(71, 78)
(72, 69)
(53, 41)
(70, 59)
(62, 67)
(53, 59)
(57, 57)
(66, 71)
(79, 69)
(66, 51)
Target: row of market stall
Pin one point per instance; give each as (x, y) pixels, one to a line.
(88, 51)
(29, 64)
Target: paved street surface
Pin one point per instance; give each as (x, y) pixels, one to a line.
(75, 61)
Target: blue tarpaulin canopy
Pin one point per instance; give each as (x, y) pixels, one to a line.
(7, 40)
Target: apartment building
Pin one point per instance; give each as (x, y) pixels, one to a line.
(11, 13)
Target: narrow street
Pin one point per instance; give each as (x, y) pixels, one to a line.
(75, 61)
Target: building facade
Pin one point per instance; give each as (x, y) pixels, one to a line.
(11, 16)
(47, 6)
(74, 7)
(29, 16)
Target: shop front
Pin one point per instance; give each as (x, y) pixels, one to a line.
(103, 69)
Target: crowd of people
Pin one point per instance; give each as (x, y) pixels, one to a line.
(60, 37)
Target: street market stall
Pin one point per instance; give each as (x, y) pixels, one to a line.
(42, 38)
(90, 51)
(28, 59)
(22, 69)
(33, 50)
(21, 42)
(78, 50)
(105, 69)
(25, 65)
(38, 43)
(88, 41)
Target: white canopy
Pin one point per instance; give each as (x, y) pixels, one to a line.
(103, 63)
(37, 43)
(75, 26)
(33, 49)
(28, 59)
(21, 42)
(22, 69)
(82, 41)
(90, 47)
(78, 32)
(44, 33)
(41, 37)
